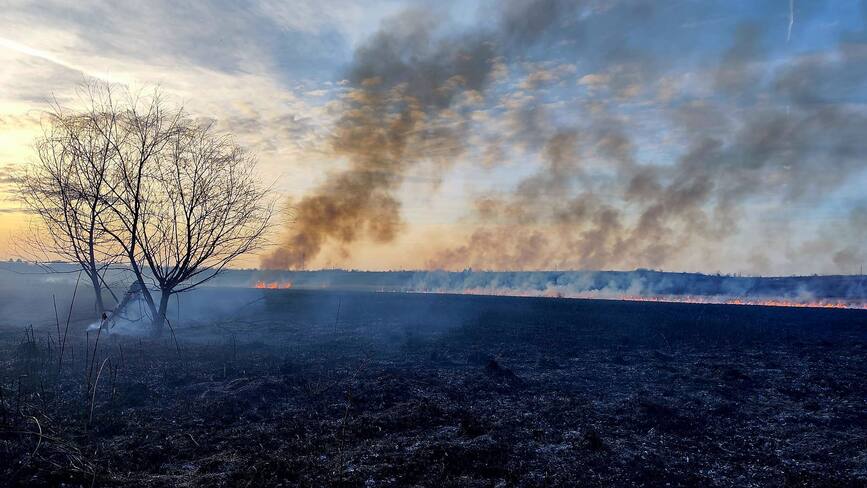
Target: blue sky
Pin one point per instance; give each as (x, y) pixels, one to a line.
(683, 135)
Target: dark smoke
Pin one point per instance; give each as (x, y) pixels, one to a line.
(793, 142)
(776, 133)
(406, 82)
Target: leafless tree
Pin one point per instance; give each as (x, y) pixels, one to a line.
(65, 188)
(130, 177)
(202, 207)
(142, 129)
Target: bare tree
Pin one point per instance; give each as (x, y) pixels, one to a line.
(129, 177)
(202, 208)
(65, 189)
(141, 131)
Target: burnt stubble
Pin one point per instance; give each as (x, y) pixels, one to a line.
(445, 390)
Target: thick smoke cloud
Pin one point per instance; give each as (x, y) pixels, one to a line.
(407, 81)
(794, 142)
(752, 124)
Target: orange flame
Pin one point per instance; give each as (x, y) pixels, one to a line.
(555, 293)
(274, 285)
(719, 300)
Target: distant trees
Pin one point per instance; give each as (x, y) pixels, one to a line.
(128, 179)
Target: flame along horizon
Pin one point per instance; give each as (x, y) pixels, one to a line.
(553, 293)
(274, 285)
(695, 299)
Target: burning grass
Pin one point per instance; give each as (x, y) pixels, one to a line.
(856, 304)
(274, 285)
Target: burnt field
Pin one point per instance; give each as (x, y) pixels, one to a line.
(317, 388)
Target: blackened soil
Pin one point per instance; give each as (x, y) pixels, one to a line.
(433, 390)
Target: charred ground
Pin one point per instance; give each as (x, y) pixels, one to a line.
(383, 389)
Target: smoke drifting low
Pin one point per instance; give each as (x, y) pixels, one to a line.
(661, 156)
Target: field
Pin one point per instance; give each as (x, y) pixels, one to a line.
(327, 388)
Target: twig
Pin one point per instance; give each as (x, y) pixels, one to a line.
(68, 316)
(93, 356)
(93, 396)
(76, 459)
(56, 317)
(18, 395)
(174, 337)
(39, 442)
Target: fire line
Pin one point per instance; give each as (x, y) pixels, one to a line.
(711, 300)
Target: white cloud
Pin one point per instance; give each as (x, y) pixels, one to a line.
(594, 79)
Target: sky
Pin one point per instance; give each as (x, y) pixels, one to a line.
(686, 135)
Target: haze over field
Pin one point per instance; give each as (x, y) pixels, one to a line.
(517, 135)
(446, 243)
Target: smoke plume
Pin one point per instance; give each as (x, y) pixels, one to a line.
(407, 81)
(742, 130)
(795, 144)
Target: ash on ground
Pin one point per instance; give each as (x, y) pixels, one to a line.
(360, 389)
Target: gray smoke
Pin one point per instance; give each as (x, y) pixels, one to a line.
(793, 141)
(755, 130)
(403, 109)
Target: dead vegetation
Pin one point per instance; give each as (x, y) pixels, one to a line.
(483, 399)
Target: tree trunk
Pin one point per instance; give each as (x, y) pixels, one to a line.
(97, 291)
(160, 318)
(145, 292)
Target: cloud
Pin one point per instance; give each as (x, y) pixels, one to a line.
(32, 79)
(594, 79)
(9, 174)
(9, 177)
(220, 35)
(552, 133)
(542, 76)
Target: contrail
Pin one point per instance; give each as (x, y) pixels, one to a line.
(791, 19)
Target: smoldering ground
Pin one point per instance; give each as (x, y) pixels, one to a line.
(327, 387)
(660, 159)
(51, 296)
(233, 305)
